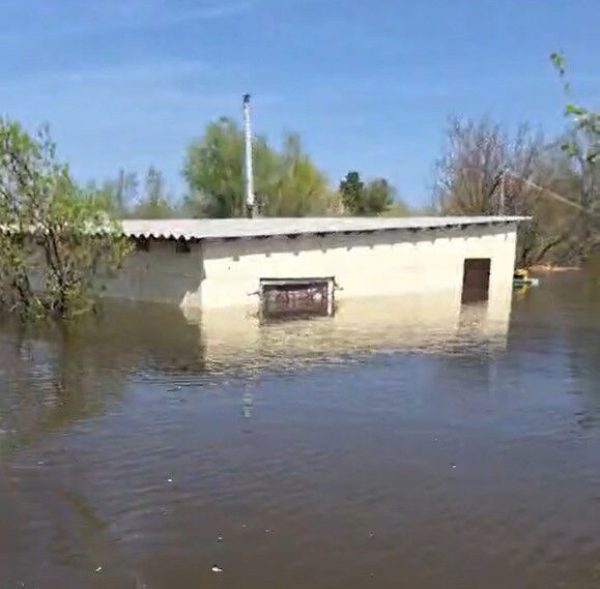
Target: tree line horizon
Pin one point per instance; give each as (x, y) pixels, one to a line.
(287, 183)
(483, 169)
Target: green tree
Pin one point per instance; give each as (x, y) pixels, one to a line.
(297, 188)
(287, 183)
(116, 195)
(55, 239)
(352, 191)
(380, 195)
(582, 146)
(156, 203)
(214, 170)
(125, 188)
(373, 198)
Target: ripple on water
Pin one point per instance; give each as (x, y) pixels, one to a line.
(375, 449)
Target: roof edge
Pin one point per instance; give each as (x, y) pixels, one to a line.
(215, 229)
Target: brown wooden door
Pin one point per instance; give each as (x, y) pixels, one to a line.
(476, 280)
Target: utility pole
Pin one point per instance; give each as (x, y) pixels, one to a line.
(248, 166)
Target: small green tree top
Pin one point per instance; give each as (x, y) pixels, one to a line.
(586, 122)
(380, 195)
(352, 191)
(373, 198)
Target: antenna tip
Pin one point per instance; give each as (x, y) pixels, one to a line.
(246, 98)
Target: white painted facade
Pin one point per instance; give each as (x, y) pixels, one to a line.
(160, 275)
(226, 272)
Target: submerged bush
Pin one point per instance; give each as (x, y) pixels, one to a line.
(56, 240)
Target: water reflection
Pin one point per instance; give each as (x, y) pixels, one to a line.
(53, 378)
(412, 441)
(569, 348)
(435, 323)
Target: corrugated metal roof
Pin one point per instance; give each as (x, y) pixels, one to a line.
(191, 229)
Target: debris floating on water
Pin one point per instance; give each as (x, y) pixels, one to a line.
(452, 465)
(99, 569)
(216, 569)
(169, 480)
(220, 539)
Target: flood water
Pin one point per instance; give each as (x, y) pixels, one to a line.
(393, 446)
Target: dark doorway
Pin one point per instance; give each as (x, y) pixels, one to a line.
(476, 280)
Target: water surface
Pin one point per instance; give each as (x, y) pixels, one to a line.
(399, 444)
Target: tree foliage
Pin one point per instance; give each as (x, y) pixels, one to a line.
(400, 209)
(157, 202)
(116, 195)
(128, 198)
(297, 187)
(585, 121)
(55, 239)
(470, 172)
(582, 147)
(375, 197)
(352, 191)
(214, 171)
(380, 196)
(486, 171)
(287, 183)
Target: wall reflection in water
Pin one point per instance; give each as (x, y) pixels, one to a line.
(132, 446)
(426, 323)
(54, 377)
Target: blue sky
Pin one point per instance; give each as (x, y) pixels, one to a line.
(369, 85)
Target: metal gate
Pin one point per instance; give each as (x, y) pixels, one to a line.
(293, 298)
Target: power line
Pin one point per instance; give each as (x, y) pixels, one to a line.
(545, 191)
(551, 193)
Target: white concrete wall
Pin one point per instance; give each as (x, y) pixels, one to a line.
(366, 265)
(160, 275)
(220, 274)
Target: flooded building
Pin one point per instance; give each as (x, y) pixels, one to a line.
(272, 266)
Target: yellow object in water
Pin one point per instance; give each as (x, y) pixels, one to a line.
(521, 273)
(521, 278)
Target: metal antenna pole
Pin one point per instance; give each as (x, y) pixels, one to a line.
(248, 166)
